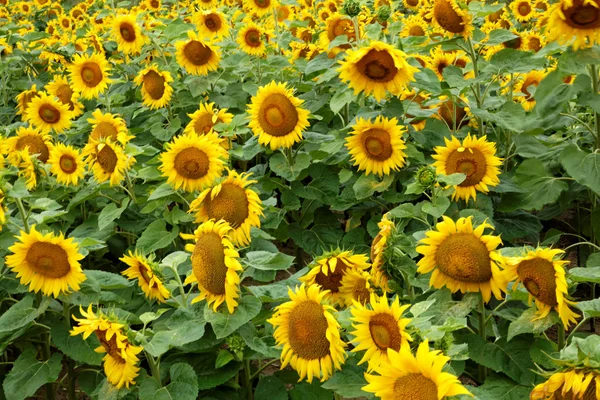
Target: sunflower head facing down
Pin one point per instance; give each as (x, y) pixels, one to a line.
(89, 75)
(67, 164)
(48, 263)
(571, 383)
(575, 23)
(128, 34)
(378, 247)
(474, 157)
(377, 69)
(276, 116)
(309, 333)
(156, 88)
(47, 113)
(196, 56)
(448, 15)
(147, 273)
(462, 258)
(215, 265)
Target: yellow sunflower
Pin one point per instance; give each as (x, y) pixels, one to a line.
(522, 86)
(522, 10)
(541, 5)
(30, 139)
(146, 272)
(47, 263)
(6, 48)
(205, 118)
(107, 126)
(410, 377)
(276, 116)
(376, 69)
(309, 333)
(448, 15)
(475, 158)
(571, 383)
(24, 100)
(67, 164)
(89, 75)
(252, 39)
(575, 22)
(107, 160)
(197, 57)
(377, 147)
(542, 273)
(153, 5)
(156, 88)
(414, 25)
(211, 24)
(337, 25)
(414, 5)
(355, 286)
(128, 34)
(61, 89)
(378, 247)
(2, 210)
(462, 258)
(27, 168)
(232, 201)
(534, 40)
(215, 265)
(46, 113)
(260, 7)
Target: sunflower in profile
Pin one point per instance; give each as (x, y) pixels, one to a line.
(24, 100)
(252, 39)
(309, 333)
(211, 24)
(356, 287)
(276, 116)
(197, 57)
(377, 146)
(328, 270)
(376, 69)
(448, 15)
(107, 160)
(575, 23)
(128, 34)
(414, 25)
(523, 10)
(215, 265)
(61, 89)
(30, 139)
(156, 88)
(46, 113)
(542, 273)
(89, 75)
(524, 83)
(47, 263)
(260, 7)
(28, 168)
(108, 126)
(378, 248)
(474, 157)
(414, 377)
(66, 163)
(570, 383)
(147, 273)
(205, 118)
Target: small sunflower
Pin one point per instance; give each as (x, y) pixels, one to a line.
(156, 88)
(448, 15)
(47, 263)
(47, 113)
(146, 272)
(6, 48)
(260, 7)
(211, 24)
(197, 57)
(462, 258)
(107, 160)
(414, 5)
(30, 139)
(534, 41)
(337, 25)
(414, 25)
(89, 75)
(474, 157)
(378, 247)
(107, 126)
(522, 10)
(215, 265)
(153, 5)
(252, 39)
(355, 286)
(309, 333)
(67, 164)
(61, 89)
(24, 100)
(207, 4)
(571, 383)
(205, 118)
(524, 83)
(276, 116)
(28, 168)
(128, 34)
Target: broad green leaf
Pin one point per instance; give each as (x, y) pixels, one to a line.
(267, 261)
(314, 391)
(498, 36)
(270, 388)
(438, 207)
(108, 280)
(224, 324)
(279, 164)
(223, 358)
(28, 374)
(184, 325)
(406, 210)
(582, 166)
(110, 213)
(367, 185)
(593, 260)
(22, 313)
(529, 322)
(585, 274)
(452, 179)
(161, 191)
(19, 190)
(340, 99)
(156, 237)
(497, 387)
(590, 308)
(183, 385)
(77, 348)
(348, 382)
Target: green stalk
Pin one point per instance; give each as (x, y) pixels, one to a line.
(131, 190)
(482, 370)
(262, 368)
(154, 368)
(47, 354)
(23, 214)
(70, 363)
(248, 380)
(477, 90)
(181, 288)
(594, 73)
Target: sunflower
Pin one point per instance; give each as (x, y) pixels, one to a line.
(24, 100)
(30, 139)
(534, 41)
(47, 263)
(215, 265)
(276, 116)
(376, 69)
(378, 248)
(522, 86)
(541, 5)
(197, 57)
(153, 5)
(542, 273)
(571, 383)
(211, 24)
(462, 258)
(414, 5)
(107, 126)
(522, 10)
(410, 377)
(337, 25)
(475, 158)
(66, 164)
(27, 168)
(355, 287)
(6, 48)
(448, 15)
(260, 7)
(283, 13)
(304, 50)
(156, 88)
(89, 75)
(309, 333)
(128, 34)
(205, 118)
(2, 210)
(414, 25)
(207, 4)
(47, 113)
(107, 160)
(251, 39)
(61, 89)
(439, 60)
(147, 274)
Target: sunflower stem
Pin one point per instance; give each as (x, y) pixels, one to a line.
(477, 89)
(561, 336)
(130, 186)
(181, 288)
(482, 370)
(154, 368)
(262, 368)
(23, 214)
(47, 354)
(248, 379)
(70, 364)
(594, 76)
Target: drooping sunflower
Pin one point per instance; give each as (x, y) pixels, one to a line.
(376, 69)
(193, 162)
(47, 113)
(448, 15)
(30, 139)
(522, 86)
(215, 265)
(574, 22)
(474, 157)
(571, 383)
(378, 247)
(146, 272)
(197, 57)
(260, 7)
(89, 75)
(156, 88)
(251, 38)
(205, 118)
(309, 333)
(377, 146)
(107, 126)
(24, 100)
(410, 377)
(211, 24)
(276, 116)
(128, 34)
(542, 273)
(67, 164)
(47, 263)
(107, 160)
(462, 258)
(61, 89)
(355, 286)
(522, 10)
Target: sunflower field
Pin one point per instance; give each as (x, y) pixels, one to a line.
(299, 199)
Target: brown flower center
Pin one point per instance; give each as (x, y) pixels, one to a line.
(333, 280)
(49, 114)
(377, 144)
(341, 27)
(208, 263)
(127, 32)
(534, 44)
(360, 292)
(582, 16)
(415, 387)
(307, 330)
(231, 204)
(385, 332)
(212, 22)
(524, 9)
(529, 82)
(197, 53)
(378, 65)
(104, 130)
(67, 164)
(412, 3)
(107, 158)
(447, 17)
(262, 3)
(91, 74)
(277, 115)
(36, 145)
(416, 30)
(48, 259)
(154, 84)
(252, 38)
(470, 162)
(450, 113)
(191, 163)
(64, 94)
(204, 124)
(110, 346)
(465, 258)
(538, 277)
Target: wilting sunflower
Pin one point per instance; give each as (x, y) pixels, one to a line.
(252, 40)
(89, 75)
(205, 118)
(148, 276)
(571, 383)
(379, 326)
(30, 139)
(47, 113)
(574, 22)
(450, 17)
(462, 258)
(107, 160)
(276, 116)
(61, 89)
(542, 273)
(260, 7)
(309, 333)
(232, 201)
(197, 57)
(211, 24)
(410, 377)
(377, 147)
(107, 126)
(127, 34)
(378, 247)
(24, 100)
(193, 162)
(414, 25)
(156, 88)
(355, 286)
(475, 158)
(66, 164)
(376, 69)
(47, 263)
(215, 265)
(328, 270)
(522, 10)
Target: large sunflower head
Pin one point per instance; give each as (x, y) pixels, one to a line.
(409, 376)
(276, 116)
(474, 157)
(571, 383)
(309, 333)
(30, 139)
(575, 22)
(211, 24)
(462, 258)
(48, 263)
(376, 69)
(355, 286)
(378, 248)
(215, 265)
(61, 89)
(205, 118)
(128, 34)
(47, 113)
(89, 75)
(24, 100)
(448, 15)
(156, 88)
(107, 160)
(148, 275)
(196, 56)
(67, 164)
(252, 39)
(107, 126)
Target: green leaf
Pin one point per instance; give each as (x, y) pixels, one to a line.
(161, 191)
(108, 280)
(270, 388)
(183, 385)
(585, 274)
(452, 179)
(224, 324)
(28, 374)
(110, 213)
(21, 314)
(367, 185)
(308, 391)
(279, 164)
(593, 260)
(498, 36)
(590, 308)
(438, 207)
(77, 348)
(497, 387)
(19, 190)
(340, 99)
(185, 326)
(223, 358)
(348, 382)
(583, 167)
(156, 237)
(529, 323)
(406, 210)
(268, 261)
